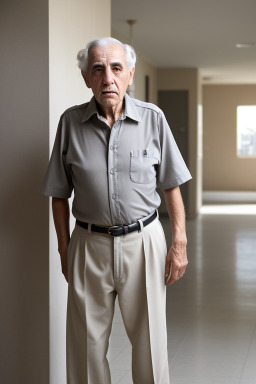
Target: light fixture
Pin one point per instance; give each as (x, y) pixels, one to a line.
(131, 23)
(245, 45)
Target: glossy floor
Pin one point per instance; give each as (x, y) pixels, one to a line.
(211, 311)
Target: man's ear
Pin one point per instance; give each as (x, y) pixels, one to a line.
(131, 76)
(86, 79)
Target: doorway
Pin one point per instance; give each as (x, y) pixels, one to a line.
(174, 104)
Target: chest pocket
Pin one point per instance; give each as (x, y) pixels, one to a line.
(142, 166)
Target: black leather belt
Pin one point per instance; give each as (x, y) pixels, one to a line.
(119, 230)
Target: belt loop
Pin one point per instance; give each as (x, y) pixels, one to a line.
(89, 229)
(141, 225)
(157, 214)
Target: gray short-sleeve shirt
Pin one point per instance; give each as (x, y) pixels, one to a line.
(114, 172)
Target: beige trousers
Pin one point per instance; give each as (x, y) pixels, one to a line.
(131, 267)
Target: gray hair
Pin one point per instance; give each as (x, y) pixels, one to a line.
(82, 56)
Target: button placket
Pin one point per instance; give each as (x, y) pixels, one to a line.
(113, 173)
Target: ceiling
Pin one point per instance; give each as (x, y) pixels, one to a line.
(193, 34)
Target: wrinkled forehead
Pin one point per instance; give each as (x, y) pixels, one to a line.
(107, 53)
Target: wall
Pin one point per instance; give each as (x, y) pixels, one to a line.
(70, 29)
(24, 262)
(222, 169)
(144, 68)
(189, 79)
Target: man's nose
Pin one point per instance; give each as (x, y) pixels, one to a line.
(108, 78)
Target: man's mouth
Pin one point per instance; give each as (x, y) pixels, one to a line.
(112, 92)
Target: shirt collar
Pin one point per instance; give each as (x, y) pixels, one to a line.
(130, 110)
(90, 110)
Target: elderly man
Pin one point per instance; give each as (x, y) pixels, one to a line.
(113, 152)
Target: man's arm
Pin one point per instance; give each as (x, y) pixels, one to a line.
(60, 210)
(176, 260)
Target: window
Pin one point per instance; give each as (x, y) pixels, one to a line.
(246, 130)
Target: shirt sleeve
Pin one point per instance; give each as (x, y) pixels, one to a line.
(58, 180)
(172, 170)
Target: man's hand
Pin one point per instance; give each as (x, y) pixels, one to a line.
(176, 262)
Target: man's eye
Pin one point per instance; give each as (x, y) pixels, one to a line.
(97, 69)
(117, 69)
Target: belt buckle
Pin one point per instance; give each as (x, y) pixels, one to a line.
(110, 228)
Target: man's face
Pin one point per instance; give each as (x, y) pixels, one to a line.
(108, 75)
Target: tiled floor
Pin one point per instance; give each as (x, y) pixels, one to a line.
(211, 312)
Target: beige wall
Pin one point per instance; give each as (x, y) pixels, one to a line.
(144, 68)
(70, 29)
(188, 79)
(24, 261)
(222, 169)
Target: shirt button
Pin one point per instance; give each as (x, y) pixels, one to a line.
(113, 196)
(112, 171)
(111, 147)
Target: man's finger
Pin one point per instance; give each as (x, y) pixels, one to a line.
(168, 271)
(182, 271)
(174, 275)
(167, 267)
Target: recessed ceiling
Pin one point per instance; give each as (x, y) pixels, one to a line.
(193, 34)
